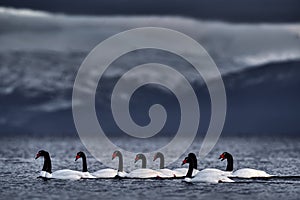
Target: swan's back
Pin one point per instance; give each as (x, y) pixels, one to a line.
(166, 173)
(250, 173)
(67, 174)
(144, 173)
(214, 171)
(209, 176)
(181, 172)
(105, 173)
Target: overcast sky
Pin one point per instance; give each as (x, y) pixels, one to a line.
(225, 10)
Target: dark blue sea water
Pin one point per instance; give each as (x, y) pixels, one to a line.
(277, 156)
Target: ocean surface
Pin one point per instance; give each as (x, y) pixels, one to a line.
(277, 156)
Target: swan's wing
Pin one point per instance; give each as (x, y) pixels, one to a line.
(105, 173)
(216, 172)
(144, 173)
(250, 173)
(67, 174)
(43, 174)
(87, 175)
(188, 180)
(48, 175)
(166, 173)
(122, 174)
(210, 178)
(211, 170)
(180, 172)
(195, 172)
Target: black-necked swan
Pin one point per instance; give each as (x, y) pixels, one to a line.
(143, 172)
(166, 173)
(181, 172)
(60, 174)
(121, 173)
(85, 173)
(105, 173)
(108, 172)
(241, 173)
(203, 175)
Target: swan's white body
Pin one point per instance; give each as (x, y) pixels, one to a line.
(216, 172)
(249, 173)
(45, 174)
(166, 173)
(144, 173)
(209, 176)
(181, 172)
(66, 174)
(87, 175)
(241, 173)
(105, 173)
(122, 174)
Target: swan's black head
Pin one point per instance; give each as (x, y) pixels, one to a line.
(225, 155)
(138, 157)
(115, 154)
(186, 160)
(157, 155)
(41, 153)
(80, 154)
(192, 156)
(191, 159)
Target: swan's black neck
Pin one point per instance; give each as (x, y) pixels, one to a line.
(162, 160)
(229, 163)
(47, 163)
(190, 171)
(84, 164)
(192, 164)
(144, 161)
(193, 157)
(120, 162)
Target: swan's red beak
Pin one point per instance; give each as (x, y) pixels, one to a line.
(77, 157)
(184, 162)
(114, 156)
(136, 159)
(37, 156)
(222, 157)
(155, 157)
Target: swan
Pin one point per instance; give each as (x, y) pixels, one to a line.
(143, 172)
(121, 173)
(103, 173)
(165, 173)
(112, 173)
(208, 176)
(181, 172)
(85, 173)
(241, 173)
(60, 174)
